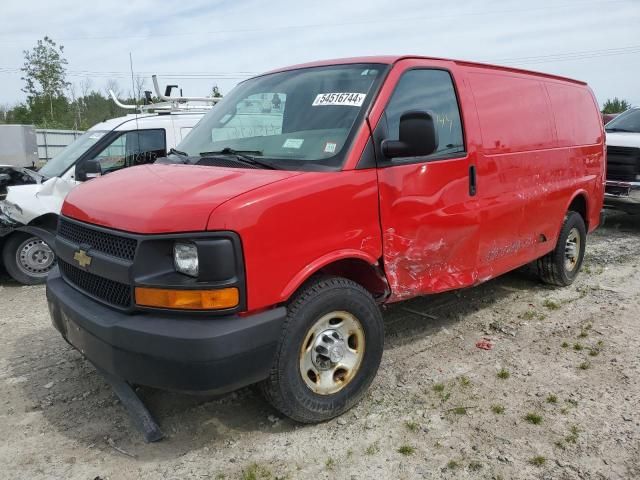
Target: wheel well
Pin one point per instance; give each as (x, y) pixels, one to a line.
(361, 272)
(48, 221)
(579, 205)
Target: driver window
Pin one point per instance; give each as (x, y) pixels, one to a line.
(132, 148)
(258, 115)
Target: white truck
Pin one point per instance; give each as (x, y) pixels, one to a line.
(622, 190)
(29, 213)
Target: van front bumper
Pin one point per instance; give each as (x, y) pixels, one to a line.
(183, 353)
(622, 196)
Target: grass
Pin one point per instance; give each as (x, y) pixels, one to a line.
(411, 426)
(464, 381)
(594, 351)
(584, 366)
(406, 450)
(533, 418)
(533, 315)
(459, 410)
(564, 345)
(475, 466)
(438, 387)
(373, 449)
(577, 347)
(453, 465)
(551, 304)
(497, 409)
(537, 461)
(583, 334)
(552, 399)
(503, 374)
(330, 463)
(573, 435)
(256, 472)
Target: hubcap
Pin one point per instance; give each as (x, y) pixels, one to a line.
(34, 257)
(332, 352)
(572, 250)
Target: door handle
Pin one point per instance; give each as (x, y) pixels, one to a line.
(473, 187)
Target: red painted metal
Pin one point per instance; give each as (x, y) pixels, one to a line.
(535, 140)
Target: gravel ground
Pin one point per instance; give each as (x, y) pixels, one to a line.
(557, 395)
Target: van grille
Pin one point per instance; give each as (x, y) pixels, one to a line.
(109, 291)
(108, 243)
(623, 163)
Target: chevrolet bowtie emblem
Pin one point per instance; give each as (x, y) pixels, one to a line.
(82, 258)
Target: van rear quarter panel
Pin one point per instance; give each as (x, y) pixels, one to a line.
(541, 146)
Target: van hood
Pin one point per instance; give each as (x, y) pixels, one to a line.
(24, 203)
(623, 139)
(163, 198)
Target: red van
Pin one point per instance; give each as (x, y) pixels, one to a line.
(262, 250)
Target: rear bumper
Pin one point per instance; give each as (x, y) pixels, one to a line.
(182, 353)
(622, 195)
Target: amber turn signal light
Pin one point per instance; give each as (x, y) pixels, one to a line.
(188, 299)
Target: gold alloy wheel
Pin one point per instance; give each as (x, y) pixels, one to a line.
(572, 250)
(332, 352)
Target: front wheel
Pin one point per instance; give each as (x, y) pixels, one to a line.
(561, 266)
(329, 352)
(27, 258)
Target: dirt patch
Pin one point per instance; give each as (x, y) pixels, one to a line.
(557, 395)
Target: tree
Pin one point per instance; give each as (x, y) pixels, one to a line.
(615, 105)
(45, 73)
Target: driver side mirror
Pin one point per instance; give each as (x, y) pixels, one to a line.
(418, 136)
(88, 169)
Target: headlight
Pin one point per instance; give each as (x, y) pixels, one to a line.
(185, 258)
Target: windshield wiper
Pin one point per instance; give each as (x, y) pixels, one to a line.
(178, 152)
(614, 129)
(242, 156)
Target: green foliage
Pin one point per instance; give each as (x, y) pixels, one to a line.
(615, 105)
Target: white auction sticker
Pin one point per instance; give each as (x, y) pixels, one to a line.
(330, 147)
(293, 143)
(350, 99)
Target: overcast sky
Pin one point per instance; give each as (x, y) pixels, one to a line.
(199, 43)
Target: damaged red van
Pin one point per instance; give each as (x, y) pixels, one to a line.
(262, 251)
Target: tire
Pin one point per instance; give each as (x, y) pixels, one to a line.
(556, 268)
(27, 259)
(325, 304)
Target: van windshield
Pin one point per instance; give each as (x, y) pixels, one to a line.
(67, 157)
(298, 120)
(628, 121)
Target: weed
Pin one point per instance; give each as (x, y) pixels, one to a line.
(537, 461)
(445, 396)
(564, 410)
(503, 374)
(564, 345)
(533, 315)
(577, 347)
(533, 418)
(452, 465)
(573, 436)
(464, 381)
(220, 476)
(594, 352)
(349, 453)
(406, 450)
(600, 344)
(459, 410)
(583, 334)
(438, 387)
(551, 304)
(475, 466)
(497, 409)
(586, 269)
(411, 426)
(552, 399)
(560, 444)
(256, 472)
(373, 449)
(584, 366)
(572, 402)
(330, 463)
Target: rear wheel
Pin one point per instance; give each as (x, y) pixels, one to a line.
(329, 352)
(561, 266)
(27, 258)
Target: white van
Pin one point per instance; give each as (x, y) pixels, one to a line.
(30, 211)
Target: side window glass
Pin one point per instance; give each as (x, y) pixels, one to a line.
(132, 148)
(428, 90)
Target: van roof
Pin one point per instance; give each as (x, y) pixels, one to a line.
(145, 120)
(391, 59)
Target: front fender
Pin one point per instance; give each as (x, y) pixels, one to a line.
(48, 236)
